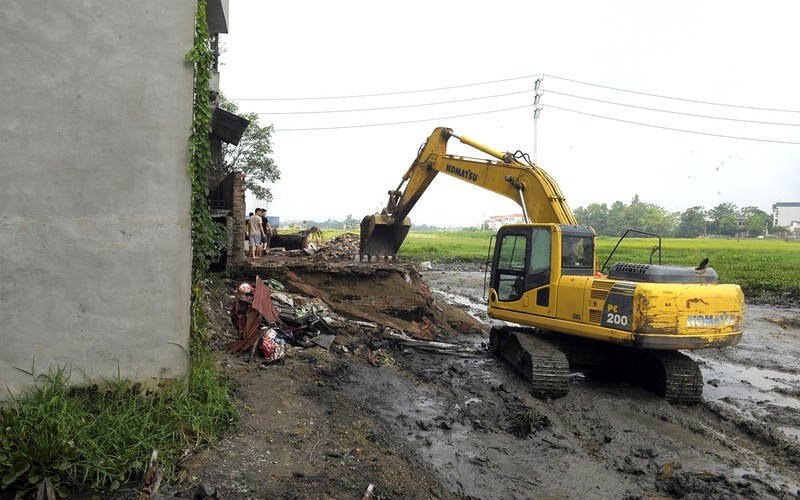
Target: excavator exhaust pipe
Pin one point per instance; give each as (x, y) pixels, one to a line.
(381, 236)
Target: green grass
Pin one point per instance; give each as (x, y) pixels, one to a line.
(766, 269)
(96, 440)
(449, 246)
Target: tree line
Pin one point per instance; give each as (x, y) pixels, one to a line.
(726, 219)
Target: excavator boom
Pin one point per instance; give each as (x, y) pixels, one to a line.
(523, 182)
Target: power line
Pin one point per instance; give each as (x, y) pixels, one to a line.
(403, 122)
(342, 127)
(384, 93)
(670, 128)
(528, 105)
(475, 84)
(406, 106)
(673, 98)
(672, 112)
(395, 107)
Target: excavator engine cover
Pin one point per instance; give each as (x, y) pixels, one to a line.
(381, 236)
(651, 273)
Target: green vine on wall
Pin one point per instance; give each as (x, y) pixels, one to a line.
(205, 232)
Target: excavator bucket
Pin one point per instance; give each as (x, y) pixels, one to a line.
(381, 236)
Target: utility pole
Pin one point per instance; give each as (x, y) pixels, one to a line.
(536, 109)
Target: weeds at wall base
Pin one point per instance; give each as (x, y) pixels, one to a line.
(91, 439)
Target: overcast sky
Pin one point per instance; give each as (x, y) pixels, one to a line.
(603, 63)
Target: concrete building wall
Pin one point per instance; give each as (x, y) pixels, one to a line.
(95, 248)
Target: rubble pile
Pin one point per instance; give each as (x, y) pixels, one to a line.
(274, 315)
(342, 247)
(322, 294)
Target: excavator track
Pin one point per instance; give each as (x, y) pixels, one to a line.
(673, 376)
(539, 361)
(545, 361)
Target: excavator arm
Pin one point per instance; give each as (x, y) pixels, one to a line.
(523, 182)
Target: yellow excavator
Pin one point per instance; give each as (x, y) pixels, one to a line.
(545, 277)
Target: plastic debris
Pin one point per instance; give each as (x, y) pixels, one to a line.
(269, 326)
(272, 347)
(323, 341)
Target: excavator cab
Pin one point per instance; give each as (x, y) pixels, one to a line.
(530, 259)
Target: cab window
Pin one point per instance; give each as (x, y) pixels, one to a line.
(510, 277)
(577, 254)
(540, 249)
(539, 272)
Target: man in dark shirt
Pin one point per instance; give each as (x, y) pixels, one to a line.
(267, 231)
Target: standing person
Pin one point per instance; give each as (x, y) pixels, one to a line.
(247, 233)
(267, 231)
(254, 230)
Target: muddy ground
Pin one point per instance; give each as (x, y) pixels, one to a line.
(372, 410)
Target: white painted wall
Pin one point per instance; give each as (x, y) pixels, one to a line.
(784, 214)
(95, 249)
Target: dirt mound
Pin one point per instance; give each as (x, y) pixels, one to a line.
(395, 297)
(390, 294)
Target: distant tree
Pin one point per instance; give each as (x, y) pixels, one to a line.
(692, 223)
(635, 214)
(425, 227)
(720, 212)
(251, 156)
(641, 216)
(595, 215)
(350, 222)
(616, 219)
(728, 225)
(756, 221)
(657, 220)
